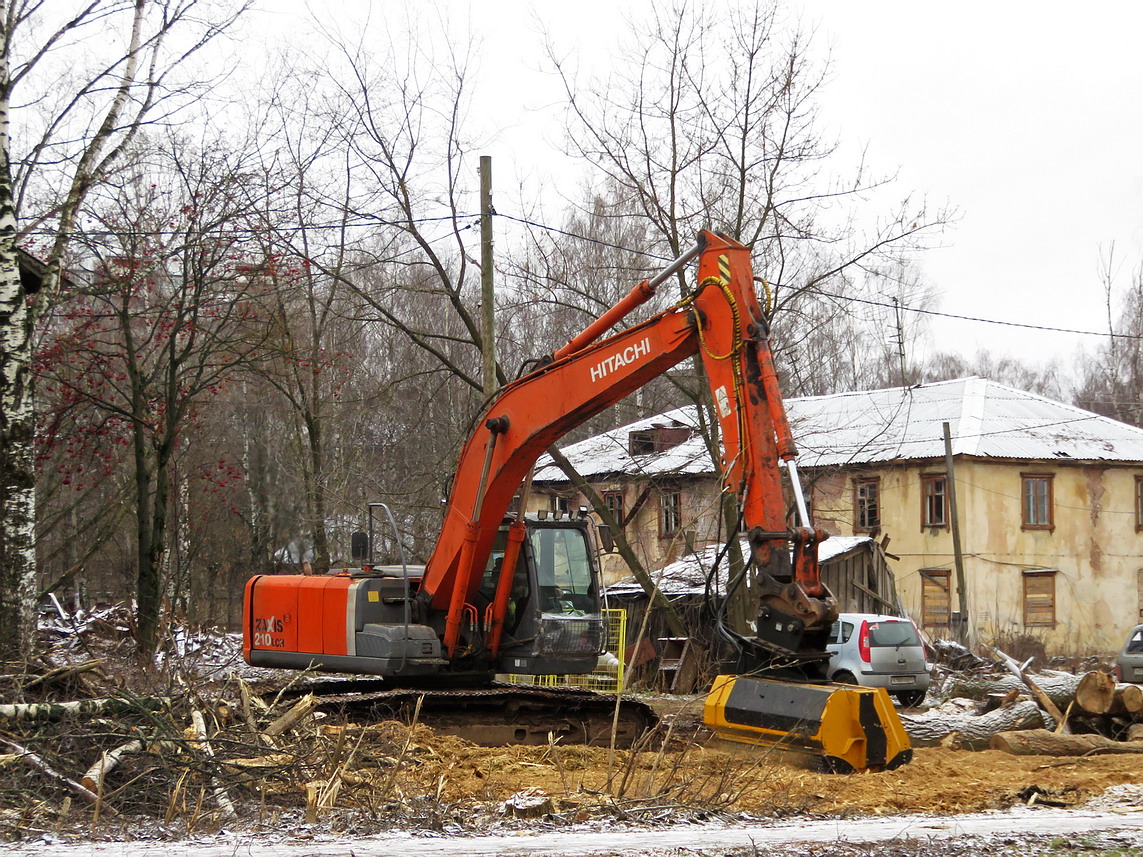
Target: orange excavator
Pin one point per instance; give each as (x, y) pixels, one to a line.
(504, 592)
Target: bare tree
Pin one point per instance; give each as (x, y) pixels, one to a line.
(1111, 381)
(712, 123)
(74, 122)
(173, 307)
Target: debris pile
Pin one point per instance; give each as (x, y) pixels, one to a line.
(97, 746)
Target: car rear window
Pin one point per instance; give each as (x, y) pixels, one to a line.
(1135, 644)
(893, 634)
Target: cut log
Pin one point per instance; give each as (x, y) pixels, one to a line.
(108, 761)
(1095, 693)
(1128, 701)
(975, 732)
(1040, 742)
(1061, 689)
(1135, 732)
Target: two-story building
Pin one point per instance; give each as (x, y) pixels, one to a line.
(1049, 501)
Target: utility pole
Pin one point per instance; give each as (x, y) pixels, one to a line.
(487, 293)
(963, 634)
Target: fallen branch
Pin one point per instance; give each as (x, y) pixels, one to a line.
(43, 767)
(61, 673)
(80, 708)
(292, 717)
(220, 793)
(1038, 694)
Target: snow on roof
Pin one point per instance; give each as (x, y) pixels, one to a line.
(609, 453)
(986, 420)
(687, 576)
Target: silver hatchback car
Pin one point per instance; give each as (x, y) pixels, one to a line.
(879, 651)
(1129, 663)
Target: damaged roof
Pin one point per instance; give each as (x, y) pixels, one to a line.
(986, 420)
(687, 576)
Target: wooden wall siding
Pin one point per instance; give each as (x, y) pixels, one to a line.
(862, 582)
(936, 598)
(1039, 599)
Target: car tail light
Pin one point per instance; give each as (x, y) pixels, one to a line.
(863, 641)
(1118, 673)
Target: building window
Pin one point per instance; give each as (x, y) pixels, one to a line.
(867, 504)
(1138, 503)
(1039, 599)
(936, 597)
(1139, 592)
(670, 513)
(1037, 496)
(614, 501)
(641, 442)
(559, 504)
(934, 501)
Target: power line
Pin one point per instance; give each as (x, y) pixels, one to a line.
(894, 304)
(586, 238)
(919, 311)
(371, 220)
(362, 220)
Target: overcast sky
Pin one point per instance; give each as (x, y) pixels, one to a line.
(1028, 117)
(1025, 116)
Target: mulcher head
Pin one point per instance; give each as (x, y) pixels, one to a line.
(843, 728)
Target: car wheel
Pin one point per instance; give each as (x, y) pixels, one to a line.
(844, 677)
(909, 698)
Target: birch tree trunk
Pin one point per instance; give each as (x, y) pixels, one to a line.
(17, 418)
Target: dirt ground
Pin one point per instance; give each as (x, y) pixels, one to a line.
(733, 780)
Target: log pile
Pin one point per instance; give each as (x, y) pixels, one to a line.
(1050, 713)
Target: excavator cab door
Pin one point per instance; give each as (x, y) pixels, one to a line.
(553, 625)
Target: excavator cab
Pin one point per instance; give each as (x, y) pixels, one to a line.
(553, 624)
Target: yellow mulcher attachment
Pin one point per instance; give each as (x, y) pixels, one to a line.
(844, 728)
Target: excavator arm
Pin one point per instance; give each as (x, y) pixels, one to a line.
(722, 321)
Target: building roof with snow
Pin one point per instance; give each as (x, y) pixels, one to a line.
(986, 420)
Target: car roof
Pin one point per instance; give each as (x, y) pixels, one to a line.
(870, 617)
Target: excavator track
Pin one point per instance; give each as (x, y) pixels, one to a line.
(494, 716)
